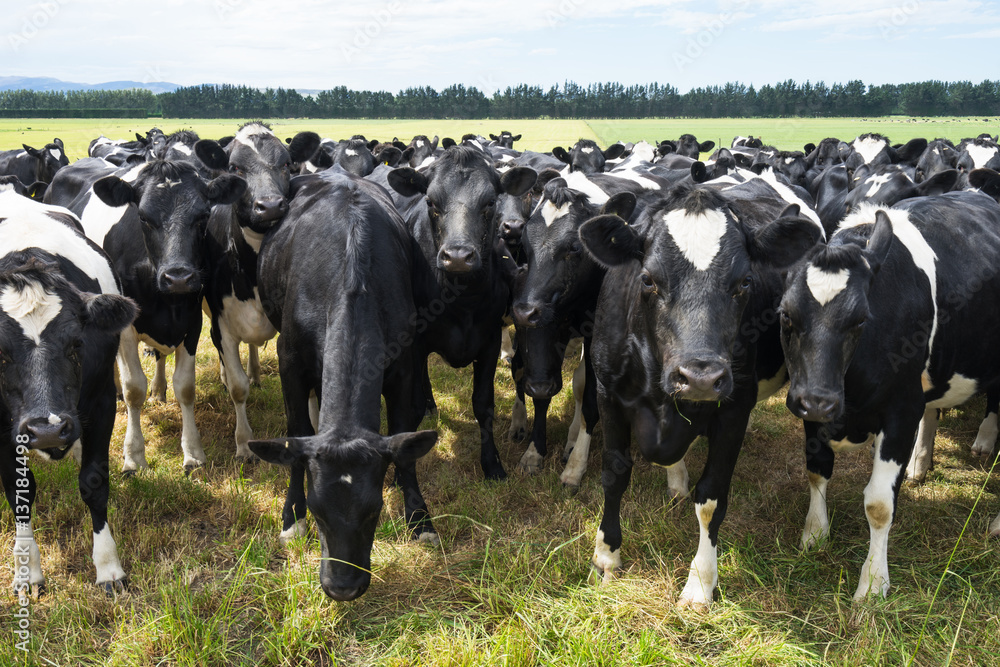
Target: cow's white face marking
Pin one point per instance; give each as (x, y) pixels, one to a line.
(868, 148)
(168, 184)
(54, 418)
(32, 308)
(56, 153)
(181, 148)
(249, 144)
(251, 130)
(347, 479)
(350, 151)
(550, 213)
(419, 143)
(587, 150)
(698, 237)
(578, 181)
(823, 285)
(789, 160)
(980, 154)
(876, 183)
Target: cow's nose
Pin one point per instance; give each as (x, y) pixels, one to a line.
(702, 380)
(458, 258)
(269, 208)
(527, 314)
(54, 431)
(511, 230)
(179, 280)
(815, 408)
(542, 389)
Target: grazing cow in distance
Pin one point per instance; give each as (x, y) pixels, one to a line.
(675, 338)
(347, 320)
(506, 139)
(587, 157)
(233, 240)
(449, 210)
(881, 328)
(32, 164)
(61, 312)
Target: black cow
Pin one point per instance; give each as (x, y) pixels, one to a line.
(587, 157)
(450, 213)
(881, 328)
(60, 315)
(506, 139)
(32, 164)
(675, 338)
(233, 240)
(347, 322)
(424, 150)
(940, 155)
(687, 145)
(151, 220)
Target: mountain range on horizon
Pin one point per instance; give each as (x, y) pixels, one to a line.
(46, 84)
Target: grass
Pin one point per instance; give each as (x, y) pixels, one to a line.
(509, 585)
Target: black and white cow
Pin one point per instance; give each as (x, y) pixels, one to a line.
(978, 154)
(424, 150)
(875, 150)
(347, 320)
(940, 155)
(587, 157)
(887, 184)
(506, 139)
(61, 312)
(233, 238)
(151, 221)
(676, 332)
(12, 183)
(687, 145)
(32, 164)
(881, 328)
(120, 151)
(450, 212)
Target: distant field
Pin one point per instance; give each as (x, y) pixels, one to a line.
(538, 135)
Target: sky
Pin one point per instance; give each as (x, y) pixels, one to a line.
(394, 44)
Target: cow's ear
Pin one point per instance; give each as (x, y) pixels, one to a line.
(114, 192)
(37, 190)
(226, 189)
(133, 160)
(407, 152)
(544, 177)
(141, 139)
(610, 240)
(699, 173)
(372, 144)
(390, 155)
(518, 181)
(621, 204)
(808, 148)
(494, 137)
(939, 183)
(406, 448)
(987, 180)
(323, 159)
(303, 146)
(33, 152)
(614, 151)
(282, 451)
(880, 241)
(59, 142)
(434, 143)
(560, 154)
(399, 144)
(782, 242)
(211, 154)
(288, 140)
(666, 147)
(911, 151)
(706, 146)
(408, 181)
(516, 137)
(448, 143)
(110, 312)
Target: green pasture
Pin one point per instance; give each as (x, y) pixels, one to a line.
(509, 585)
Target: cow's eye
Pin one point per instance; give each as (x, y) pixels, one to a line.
(744, 286)
(786, 322)
(648, 285)
(237, 170)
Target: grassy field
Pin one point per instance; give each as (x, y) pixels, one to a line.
(509, 584)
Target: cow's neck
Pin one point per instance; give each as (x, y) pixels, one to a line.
(246, 244)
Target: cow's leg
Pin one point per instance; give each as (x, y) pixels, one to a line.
(615, 477)
(576, 464)
(19, 487)
(995, 527)
(93, 479)
(184, 362)
(314, 411)
(533, 457)
(133, 381)
(506, 346)
(296, 390)
(986, 439)
(518, 430)
(158, 386)
(579, 385)
(239, 388)
(483, 377)
(819, 466)
(253, 364)
(922, 458)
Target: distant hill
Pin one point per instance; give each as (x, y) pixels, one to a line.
(43, 83)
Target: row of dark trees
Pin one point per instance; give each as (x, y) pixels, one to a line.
(570, 100)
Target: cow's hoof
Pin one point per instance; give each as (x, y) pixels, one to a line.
(531, 461)
(599, 576)
(191, 466)
(497, 474)
(37, 590)
(112, 588)
(246, 459)
(699, 606)
(517, 434)
(129, 474)
(429, 537)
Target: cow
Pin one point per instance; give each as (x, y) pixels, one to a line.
(449, 210)
(12, 183)
(977, 154)
(940, 155)
(881, 327)
(151, 220)
(676, 332)
(62, 311)
(424, 150)
(506, 139)
(686, 145)
(887, 184)
(32, 164)
(586, 156)
(233, 240)
(120, 151)
(875, 150)
(347, 320)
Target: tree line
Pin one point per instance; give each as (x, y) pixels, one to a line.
(569, 100)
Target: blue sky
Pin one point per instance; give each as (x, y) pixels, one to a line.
(393, 44)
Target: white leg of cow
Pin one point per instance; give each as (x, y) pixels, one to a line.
(194, 455)
(605, 560)
(678, 481)
(134, 391)
(158, 386)
(923, 449)
(239, 389)
(253, 364)
(518, 420)
(506, 346)
(986, 439)
(579, 383)
(577, 464)
(817, 528)
(314, 411)
(879, 505)
(297, 529)
(109, 568)
(995, 527)
(27, 557)
(704, 573)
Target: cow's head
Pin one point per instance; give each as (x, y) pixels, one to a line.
(688, 146)
(355, 157)
(461, 189)
(45, 327)
(423, 148)
(261, 159)
(940, 155)
(890, 183)
(34, 191)
(823, 314)
(173, 203)
(586, 156)
(506, 139)
(345, 478)
(156, 143)
(978, 154)
(691, 271)
(48, 160)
